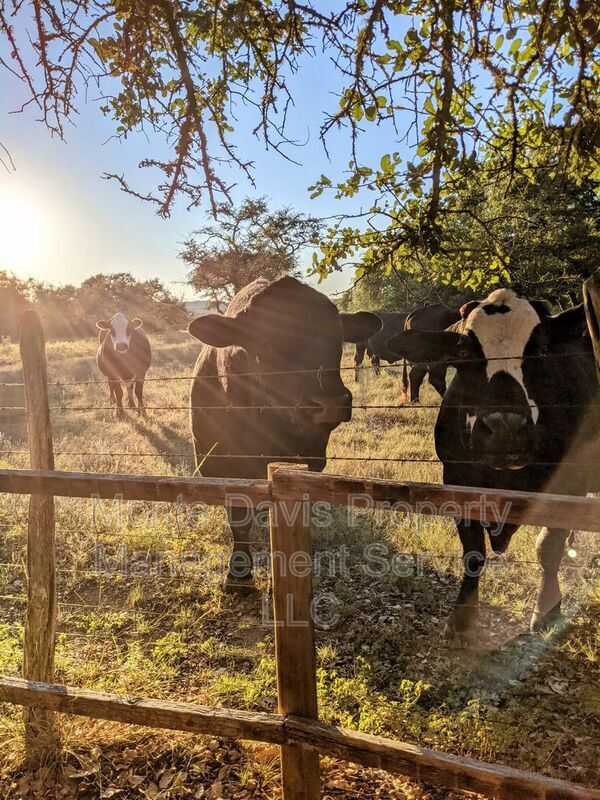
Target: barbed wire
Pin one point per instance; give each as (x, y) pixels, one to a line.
(320, 369)
(299, 458)
(312, 407)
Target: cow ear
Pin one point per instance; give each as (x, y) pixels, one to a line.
(542, 307)
(217, 330)
(426, 346)
(567, 326)
(358, 327)
(468, 307)
(103, 324)
(135, 323)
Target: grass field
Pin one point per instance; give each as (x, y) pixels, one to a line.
(163, 628)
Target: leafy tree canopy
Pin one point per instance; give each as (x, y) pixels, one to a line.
(504, 79)
(400, 290)
(541, 238)
(248, 242)
(71, 311)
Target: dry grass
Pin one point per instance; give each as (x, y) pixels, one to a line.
(383, 667)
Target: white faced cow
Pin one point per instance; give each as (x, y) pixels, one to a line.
(520, 403)
(124, 356)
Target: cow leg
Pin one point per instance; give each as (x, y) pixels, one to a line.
(463, 620)
(111, 399)
(239, 575)
(130, 400)
(405, 380)
(437, 378)
(359, 355)
(550, 548)
(139, 393)
(416, 378)
(118, 393)
(376, 364)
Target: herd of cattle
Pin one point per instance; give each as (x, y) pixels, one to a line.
(267, 383)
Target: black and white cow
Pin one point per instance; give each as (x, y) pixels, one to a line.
(124, 356)
(521, 402)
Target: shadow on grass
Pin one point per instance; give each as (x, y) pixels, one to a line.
(165, 440)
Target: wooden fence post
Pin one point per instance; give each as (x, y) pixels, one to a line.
(591, 302)
(41, 737)
(291, 570)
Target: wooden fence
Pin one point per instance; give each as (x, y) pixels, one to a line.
(296, 727)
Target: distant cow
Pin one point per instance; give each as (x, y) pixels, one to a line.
(271, 367)
(376, 345)
(429, 318)
(521, 402)
(124, 356)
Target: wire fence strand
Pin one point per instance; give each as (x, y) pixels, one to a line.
(293, 458)
(314, 370)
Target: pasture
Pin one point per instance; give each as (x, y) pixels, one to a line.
(141, 609)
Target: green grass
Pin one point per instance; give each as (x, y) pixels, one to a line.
(382, 668)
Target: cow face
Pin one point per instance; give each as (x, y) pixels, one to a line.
(293, 336)
(119, 330)
(507, 352)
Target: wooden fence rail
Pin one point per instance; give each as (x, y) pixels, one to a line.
(288, 493)
(420, 763)
(525, 508)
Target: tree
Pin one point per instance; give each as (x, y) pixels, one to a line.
(103, 295)
(456, 80)
(71, 311)
(14, 299)
(541, 238)
(248, 242)
(399, 290)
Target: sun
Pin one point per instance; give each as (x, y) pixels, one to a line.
(24, 231)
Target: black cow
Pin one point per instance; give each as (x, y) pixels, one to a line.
(429, 318)
(124, 355)
(520, 403)
(376, 345)
(278, 347)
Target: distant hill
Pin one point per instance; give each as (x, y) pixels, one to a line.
(197, 308)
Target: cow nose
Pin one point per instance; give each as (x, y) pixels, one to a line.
(504, 438)
(332, 409)
(121, 348)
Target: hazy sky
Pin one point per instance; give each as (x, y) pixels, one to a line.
(60, 221)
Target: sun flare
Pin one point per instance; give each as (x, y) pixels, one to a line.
(24, 231)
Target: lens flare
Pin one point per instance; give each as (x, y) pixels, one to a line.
(24, 231)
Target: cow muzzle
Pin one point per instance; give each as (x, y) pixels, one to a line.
(331, 410)
(504, 440)
(120, 347)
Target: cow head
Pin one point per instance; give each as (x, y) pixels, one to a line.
(293, 335)
(509, 354)
(119, 330)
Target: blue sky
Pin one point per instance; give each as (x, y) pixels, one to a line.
(63, 222)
